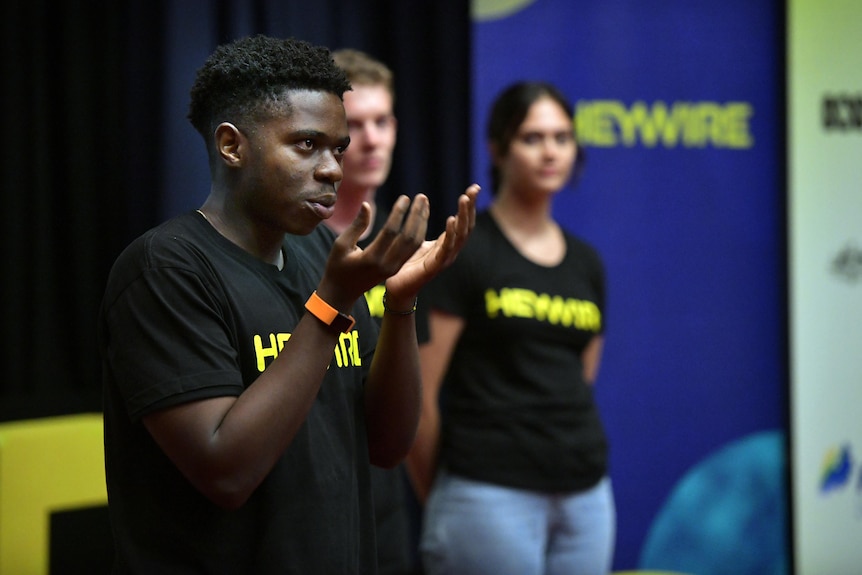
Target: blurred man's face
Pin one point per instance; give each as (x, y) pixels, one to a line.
(372, 127)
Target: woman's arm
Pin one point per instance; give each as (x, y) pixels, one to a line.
(591, 358)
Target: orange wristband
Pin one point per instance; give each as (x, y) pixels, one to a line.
(328, 314)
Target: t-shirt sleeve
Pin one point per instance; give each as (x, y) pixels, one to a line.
(167, 341)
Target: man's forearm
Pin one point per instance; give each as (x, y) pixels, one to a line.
(393, 391)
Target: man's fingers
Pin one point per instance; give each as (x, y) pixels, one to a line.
(416, 224)
(467, 206)
(458, 227)
(404, 230)
(472, 194)
(464, 223)
(354, 231)
(392, 227)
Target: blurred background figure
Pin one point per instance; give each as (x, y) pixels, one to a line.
(371, 121)
(516, 460)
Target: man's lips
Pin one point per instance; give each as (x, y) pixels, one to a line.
(323, 206)
(370, 163)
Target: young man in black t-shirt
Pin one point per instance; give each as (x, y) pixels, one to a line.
(247, 390)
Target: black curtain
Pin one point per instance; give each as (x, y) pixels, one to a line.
(83, 105)
(63, 208)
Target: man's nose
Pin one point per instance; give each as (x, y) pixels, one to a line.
(330, 168)
(370, 134)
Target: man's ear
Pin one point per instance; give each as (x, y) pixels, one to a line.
(229, 144)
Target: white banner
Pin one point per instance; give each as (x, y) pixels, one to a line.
(825, 251)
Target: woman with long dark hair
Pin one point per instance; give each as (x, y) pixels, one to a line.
(516, 459)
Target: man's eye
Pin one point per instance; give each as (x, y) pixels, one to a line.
(308, 143)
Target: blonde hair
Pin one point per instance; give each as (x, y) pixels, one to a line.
(363, 70)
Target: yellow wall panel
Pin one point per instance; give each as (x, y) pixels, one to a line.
(46, 465)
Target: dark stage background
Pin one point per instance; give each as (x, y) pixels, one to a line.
(88, 100)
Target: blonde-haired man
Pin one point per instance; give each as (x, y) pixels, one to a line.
(371, 121)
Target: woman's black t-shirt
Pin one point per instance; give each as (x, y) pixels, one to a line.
(517, 411)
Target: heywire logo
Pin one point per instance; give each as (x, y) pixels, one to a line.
(610, 123)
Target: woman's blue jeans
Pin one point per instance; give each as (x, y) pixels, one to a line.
(475, 528)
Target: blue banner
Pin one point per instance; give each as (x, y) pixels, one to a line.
(678, 110)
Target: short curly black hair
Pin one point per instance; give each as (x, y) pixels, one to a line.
(247, 79)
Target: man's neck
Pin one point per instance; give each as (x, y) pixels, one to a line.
(347, 207)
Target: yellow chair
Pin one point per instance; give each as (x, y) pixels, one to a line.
(46, 465)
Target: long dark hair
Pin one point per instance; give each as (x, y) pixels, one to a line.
(508, 112)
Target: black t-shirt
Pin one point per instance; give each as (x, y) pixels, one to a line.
(517, 411)
(189, 315)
